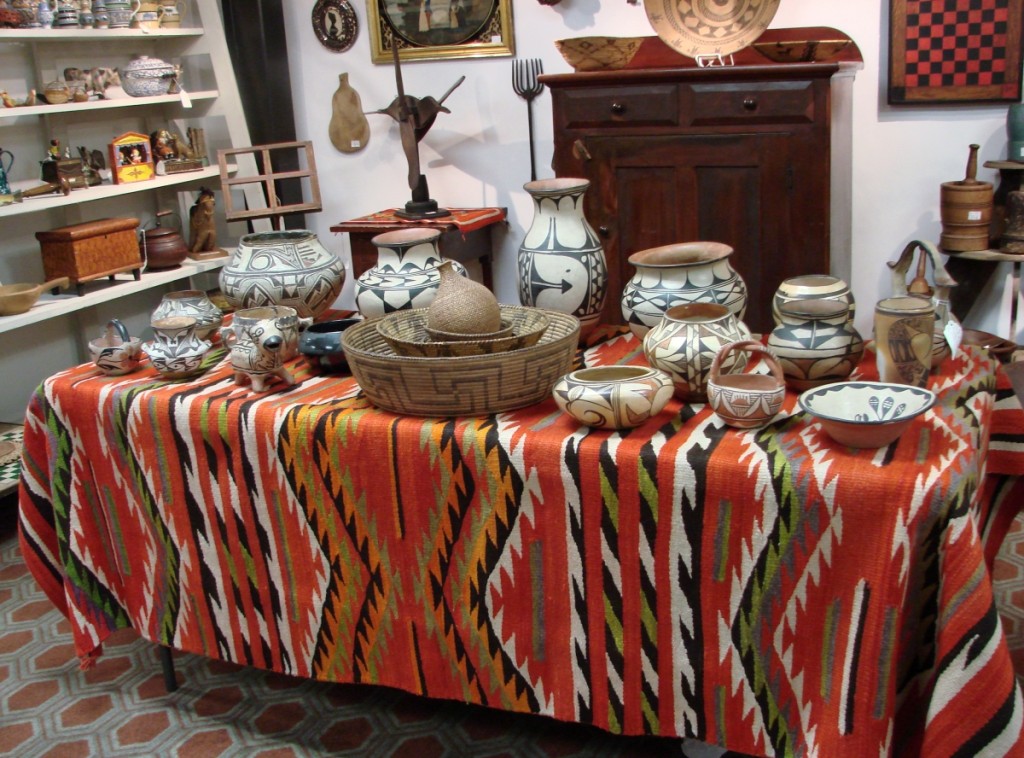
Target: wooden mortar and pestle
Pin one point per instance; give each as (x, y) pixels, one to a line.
(966, 210)
(19, 298)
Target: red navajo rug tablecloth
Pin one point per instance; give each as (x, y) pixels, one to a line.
(767, 591)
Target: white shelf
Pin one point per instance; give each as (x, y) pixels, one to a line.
(24, 111)
(104, 191)
(102, 291)
(92, 35)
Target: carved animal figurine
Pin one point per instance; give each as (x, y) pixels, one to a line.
(95, 80)
(256, 354)
(202, 226)
(8, 100)
(181, 148)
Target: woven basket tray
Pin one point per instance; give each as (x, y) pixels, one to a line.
(407, 333)
(476, 385)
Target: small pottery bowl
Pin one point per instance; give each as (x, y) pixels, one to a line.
(746, 400)
(866, 414)
(613, 397)
(320, 344)
(116, 353)
(180, 366)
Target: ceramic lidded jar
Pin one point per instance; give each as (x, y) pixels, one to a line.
(192, 303)
(561, 261)
(687, 339)
(613, 397)
(812, 287)
(405, 275)
(686, 272)
(148, 77)
(816, 343)
(746, 400)
(288, 268)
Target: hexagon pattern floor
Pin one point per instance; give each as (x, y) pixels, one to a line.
(48, 707)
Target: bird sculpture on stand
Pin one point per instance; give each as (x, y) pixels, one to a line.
(415, 116)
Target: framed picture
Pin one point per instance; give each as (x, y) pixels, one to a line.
(432, 29)
(131, 158)
(335, 24)
(943, 51)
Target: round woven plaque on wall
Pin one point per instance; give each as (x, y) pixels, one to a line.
(709, 27)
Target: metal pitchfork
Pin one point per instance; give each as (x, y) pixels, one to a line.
(527, 85)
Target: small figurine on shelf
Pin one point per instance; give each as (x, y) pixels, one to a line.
(202, 225)
(53, 152)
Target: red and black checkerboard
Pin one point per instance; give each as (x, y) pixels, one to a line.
(952, 43)
(956, 49)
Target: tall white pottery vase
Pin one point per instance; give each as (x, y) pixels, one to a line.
(561, 261)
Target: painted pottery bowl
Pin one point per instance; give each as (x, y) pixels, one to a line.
(613, 397)
(866, 414)
(320, 344)
(802, 51)
(746, 400)
(176, 365)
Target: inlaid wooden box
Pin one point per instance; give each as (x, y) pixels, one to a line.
(92, 250)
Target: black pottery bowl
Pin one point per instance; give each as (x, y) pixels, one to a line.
(320, 344)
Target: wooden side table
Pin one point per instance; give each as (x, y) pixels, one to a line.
(465, 236)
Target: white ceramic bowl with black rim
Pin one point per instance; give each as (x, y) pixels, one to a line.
(866, 414)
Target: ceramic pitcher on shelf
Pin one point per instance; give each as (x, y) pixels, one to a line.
(5, 187)
(173, 13)
(121, 12)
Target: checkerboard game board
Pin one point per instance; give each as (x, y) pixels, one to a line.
(9, 472)
(952, 43)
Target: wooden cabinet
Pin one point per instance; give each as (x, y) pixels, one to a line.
(740, 155)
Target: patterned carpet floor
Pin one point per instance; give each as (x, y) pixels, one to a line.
(48, 707)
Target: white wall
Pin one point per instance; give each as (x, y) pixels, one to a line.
(479, 154)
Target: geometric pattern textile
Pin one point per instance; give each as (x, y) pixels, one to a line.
(10, 464)
(661, 581)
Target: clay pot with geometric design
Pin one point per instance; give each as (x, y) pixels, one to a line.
(613, 397)
(746, 400)
(687, 339)
(816, 343)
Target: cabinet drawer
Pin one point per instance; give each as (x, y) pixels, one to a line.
(731, 103)
(646, 105)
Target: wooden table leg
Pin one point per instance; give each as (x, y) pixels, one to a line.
(167, 664)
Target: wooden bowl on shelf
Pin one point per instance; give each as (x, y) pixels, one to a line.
(802, 51)
(598, 53)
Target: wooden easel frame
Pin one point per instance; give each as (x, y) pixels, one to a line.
(275, 209)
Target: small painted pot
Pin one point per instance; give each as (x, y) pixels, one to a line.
(176, 351)
(684, 343)
(116, 352)
(746, 400)
(812, 287)
(816, 343)
(613, 397)
(320, 344)
(193, 303)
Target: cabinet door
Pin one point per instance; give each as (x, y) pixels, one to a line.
(756, 192)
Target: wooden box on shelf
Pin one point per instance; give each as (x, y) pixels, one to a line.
(91, 250)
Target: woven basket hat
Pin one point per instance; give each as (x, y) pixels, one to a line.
(463, 306)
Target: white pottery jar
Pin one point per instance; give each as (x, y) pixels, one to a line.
(686, 272)
(288, 267)
(561, 261)
(192, 303)
(812, 287)
(176, 351)
(816, 343)
(405, 275)
(687, 339)
(613, 397)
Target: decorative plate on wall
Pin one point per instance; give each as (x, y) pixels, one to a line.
(335, 24)
(710, 27)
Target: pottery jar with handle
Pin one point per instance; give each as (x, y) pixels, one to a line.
(746, 400)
